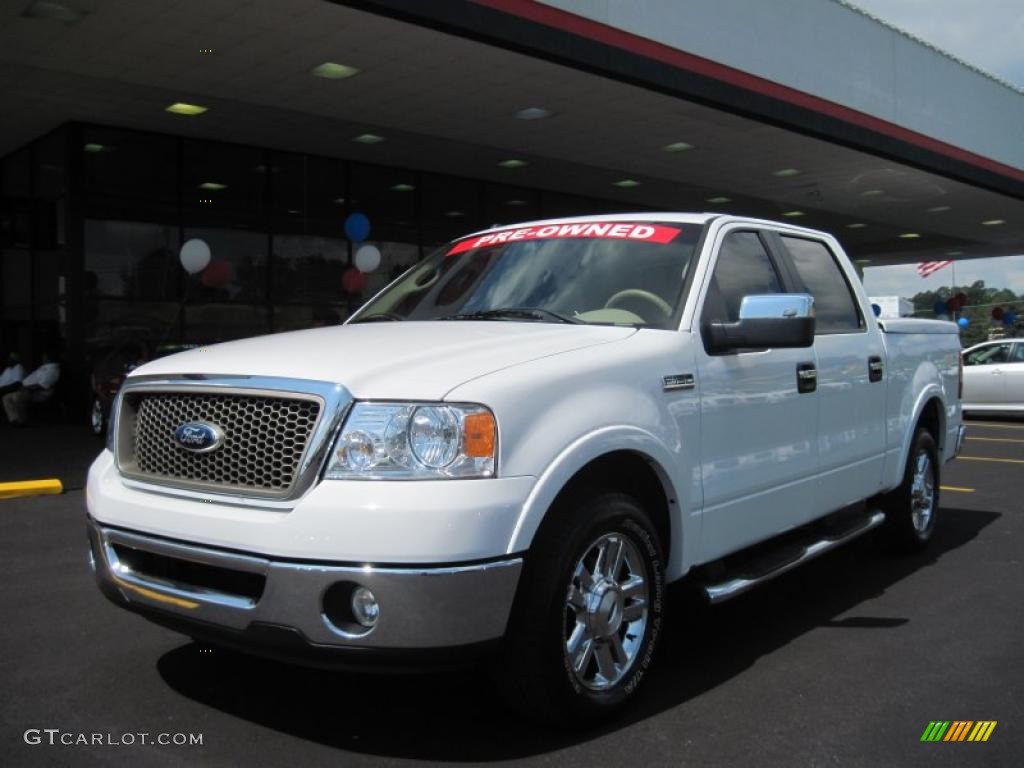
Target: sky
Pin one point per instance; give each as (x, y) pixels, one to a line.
(990, 35)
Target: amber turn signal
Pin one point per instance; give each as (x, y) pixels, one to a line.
(479, 434)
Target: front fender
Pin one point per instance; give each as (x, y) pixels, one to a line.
(684, 522)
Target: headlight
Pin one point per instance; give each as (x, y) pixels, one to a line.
(415, 441)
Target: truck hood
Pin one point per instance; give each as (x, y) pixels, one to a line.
(400, 360)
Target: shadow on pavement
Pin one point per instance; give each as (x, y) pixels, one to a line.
(458, 716)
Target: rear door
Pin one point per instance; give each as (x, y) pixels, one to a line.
(984, 375)
(851, 378)
(758, 443)
(1015, 377)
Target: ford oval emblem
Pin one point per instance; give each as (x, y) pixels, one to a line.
(199, 437)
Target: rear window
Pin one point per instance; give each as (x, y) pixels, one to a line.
(835, 307)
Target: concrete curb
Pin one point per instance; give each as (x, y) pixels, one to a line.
(21, 488)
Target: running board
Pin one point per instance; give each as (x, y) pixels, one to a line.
(717, 593)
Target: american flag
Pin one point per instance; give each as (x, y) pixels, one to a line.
(926, 268)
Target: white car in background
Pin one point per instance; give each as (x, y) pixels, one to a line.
(994, 377)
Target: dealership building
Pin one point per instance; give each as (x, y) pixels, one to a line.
(259, 127)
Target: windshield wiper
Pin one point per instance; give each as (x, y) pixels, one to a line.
(377, 317)
(526, 313)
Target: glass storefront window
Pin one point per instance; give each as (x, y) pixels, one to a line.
(223, 185)
(309, 269)
(237, 271)
(451, 207)
(209, 323)
(132, 259)
(129, 175)
(307, 194)
(509, 205)
(387, 196)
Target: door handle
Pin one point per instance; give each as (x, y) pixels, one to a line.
(876, 368)
(806, 377)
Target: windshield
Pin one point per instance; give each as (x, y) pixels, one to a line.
(603, 273)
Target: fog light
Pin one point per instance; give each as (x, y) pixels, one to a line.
(365, 608)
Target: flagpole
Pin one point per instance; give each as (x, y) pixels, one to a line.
(952, 290)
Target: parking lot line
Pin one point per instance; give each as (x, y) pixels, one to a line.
(997, 439)
(955, 488)
(986, 458)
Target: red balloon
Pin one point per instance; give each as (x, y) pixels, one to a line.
(961, 299)
(953, 303)
(997, 313)
(353, 280)
(217, 274)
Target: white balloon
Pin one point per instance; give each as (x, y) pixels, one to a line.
(367, 258)
(195, 255)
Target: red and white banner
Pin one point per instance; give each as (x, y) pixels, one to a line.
(926, 268)
(636, 232)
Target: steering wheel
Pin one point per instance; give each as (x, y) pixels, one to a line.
(652, 299)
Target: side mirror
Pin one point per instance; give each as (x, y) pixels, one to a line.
(779, 320)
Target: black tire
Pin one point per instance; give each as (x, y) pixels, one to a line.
(97, 418)
(909, 524)
(534, 669)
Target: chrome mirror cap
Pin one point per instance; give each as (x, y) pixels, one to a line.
(777, 306)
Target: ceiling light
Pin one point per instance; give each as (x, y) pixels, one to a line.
(626, 183)
(331, 71)
(515, 202)
(93, 147)
(719, 199)
(910, 236)
(183, 108)
(403, 187)
(856, 225)
(939, 209)
(677, 146)
(993, 222)
(786, 172)
(294, 212)
(793, 214)
(954, 253)
(533, 113)
(872, 193)
(339, 200)
(368, 138)
(454, 214)
(213, 186)
(512, 163)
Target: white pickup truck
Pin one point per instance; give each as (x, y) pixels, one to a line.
(512, 448)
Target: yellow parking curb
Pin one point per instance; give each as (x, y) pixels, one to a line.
(30, 488)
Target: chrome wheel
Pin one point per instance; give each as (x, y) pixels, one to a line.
(96, 417)
(922, 493)
(606, 608)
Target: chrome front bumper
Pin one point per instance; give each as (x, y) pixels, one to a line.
(421, 607)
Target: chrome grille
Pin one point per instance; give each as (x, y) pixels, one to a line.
(265, 437)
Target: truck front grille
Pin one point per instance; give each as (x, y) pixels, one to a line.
(265, 438)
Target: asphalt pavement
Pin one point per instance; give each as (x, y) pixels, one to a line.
(843, 662)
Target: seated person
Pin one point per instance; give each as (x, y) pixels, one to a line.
(37, 387)
(12, 374)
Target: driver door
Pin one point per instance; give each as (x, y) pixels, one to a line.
(759, 434)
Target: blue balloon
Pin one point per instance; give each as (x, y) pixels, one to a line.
(963, 322)
(876, 309)
(1009, 317)
(357, 227)
(940, 307)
